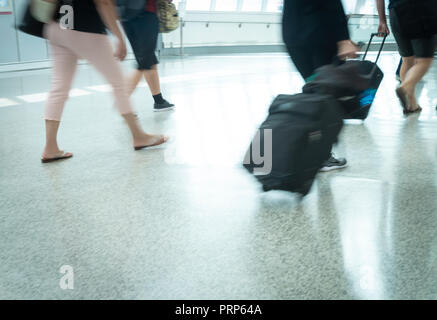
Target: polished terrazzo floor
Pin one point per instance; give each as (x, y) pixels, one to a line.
(185, 221)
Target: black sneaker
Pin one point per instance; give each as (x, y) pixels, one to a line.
(333, 164)
(165, 106)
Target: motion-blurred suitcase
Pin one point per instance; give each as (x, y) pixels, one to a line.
(353, 83)
(294, 140)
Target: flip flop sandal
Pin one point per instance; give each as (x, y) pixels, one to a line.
(163, 140)
(418, 109)
(403, 99)
(64, 155)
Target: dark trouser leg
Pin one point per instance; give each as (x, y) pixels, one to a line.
(302, 60)
(309, 58)
(324, 55)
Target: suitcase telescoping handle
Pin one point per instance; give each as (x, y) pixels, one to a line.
(380, 48)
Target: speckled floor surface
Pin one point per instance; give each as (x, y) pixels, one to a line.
(185, 222)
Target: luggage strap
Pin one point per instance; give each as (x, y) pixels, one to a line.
(379, 52)
(380, 48)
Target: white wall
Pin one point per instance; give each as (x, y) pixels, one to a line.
(201, 29)
(219, 28)
(225, 28)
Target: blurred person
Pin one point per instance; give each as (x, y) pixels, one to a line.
(142, 32)
(88, 40)
(417, 56)
(315, 34)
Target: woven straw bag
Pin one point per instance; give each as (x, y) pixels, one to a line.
(168, 16)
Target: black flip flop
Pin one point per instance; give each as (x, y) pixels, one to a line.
(417, 110)
(65, 155)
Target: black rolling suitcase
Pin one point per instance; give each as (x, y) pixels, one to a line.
(294, 141)
(353, 83)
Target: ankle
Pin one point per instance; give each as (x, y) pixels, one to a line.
(158, 98)
(407, 89)
(49, 150)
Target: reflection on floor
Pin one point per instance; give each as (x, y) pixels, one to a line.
(184, 221)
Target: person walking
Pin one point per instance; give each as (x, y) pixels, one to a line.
(90, 20)
(315, 33)
(417, 56)
(142, 32)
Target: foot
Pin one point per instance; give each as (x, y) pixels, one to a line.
(408, 100)
(51, 157)
(415, 110)
(333, 164)
(164, 106)
(149, 140)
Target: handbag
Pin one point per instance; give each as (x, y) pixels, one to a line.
(417, 18)
(168, 16)
(43, 10)
(30, 25)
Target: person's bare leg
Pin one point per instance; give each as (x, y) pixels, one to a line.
(104, 62)
(152, 79)
(407, 63)
(133, 80)
(51, 149)
(51, 146)
(406, 100)
(412, 78)
(140, 138)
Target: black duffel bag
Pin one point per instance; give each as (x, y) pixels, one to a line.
(417, 18)
(294, 141)
(354, 83)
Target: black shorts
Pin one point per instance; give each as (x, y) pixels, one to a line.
(142, 33)
(420, 48)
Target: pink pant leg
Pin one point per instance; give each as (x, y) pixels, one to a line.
(97, 49)
(67, 47)
(63, 69)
